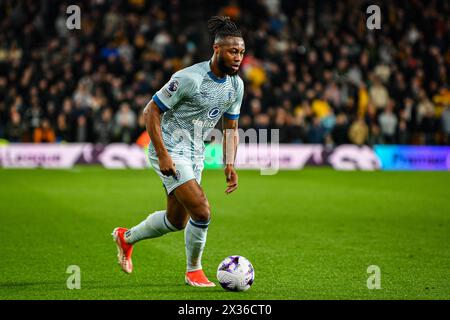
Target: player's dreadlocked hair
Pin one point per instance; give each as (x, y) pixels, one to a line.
(221, 27)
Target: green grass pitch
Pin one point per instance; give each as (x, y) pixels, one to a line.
(310, 234)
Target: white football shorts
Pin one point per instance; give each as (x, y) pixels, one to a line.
(186, 170)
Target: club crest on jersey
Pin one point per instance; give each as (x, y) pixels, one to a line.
(214, 113)
(173, 85)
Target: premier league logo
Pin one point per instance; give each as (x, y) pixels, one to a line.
(173, 86)
(214, 113)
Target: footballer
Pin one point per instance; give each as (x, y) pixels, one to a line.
(178, 119)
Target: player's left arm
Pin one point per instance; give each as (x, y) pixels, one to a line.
(230, 144)
(231, 138)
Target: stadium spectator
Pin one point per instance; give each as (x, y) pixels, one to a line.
(316, 132)
(388, 123)
(296, 129)
(62, 129)
(379, 94)
(359, 131)
(429, 128)
(424, 106)
(245, 122)
(140, 129)
(15, 127)
(375, 136)
(403, 135)
(83, 131)
(44, 133)
(104, 127)
(125, 123)
(339, 133)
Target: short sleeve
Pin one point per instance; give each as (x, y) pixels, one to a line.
(234, 110)
(177, 88)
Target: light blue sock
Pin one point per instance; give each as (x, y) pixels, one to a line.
(156, 225)
(195, 240)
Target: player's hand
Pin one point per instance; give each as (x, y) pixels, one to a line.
(232, 179)
(166, 166)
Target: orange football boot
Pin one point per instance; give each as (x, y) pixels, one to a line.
(124, 250)
(198, 279)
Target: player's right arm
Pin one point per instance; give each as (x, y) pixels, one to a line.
(178, 88)
(152, 116)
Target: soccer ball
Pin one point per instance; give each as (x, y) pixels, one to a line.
(235, 273)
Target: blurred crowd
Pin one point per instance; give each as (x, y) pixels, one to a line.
(312, 69)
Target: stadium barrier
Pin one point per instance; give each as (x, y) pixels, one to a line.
(395, 157)
(250, 156)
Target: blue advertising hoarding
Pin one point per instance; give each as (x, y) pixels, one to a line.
(400, 157)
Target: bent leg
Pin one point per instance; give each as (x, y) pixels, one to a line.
(159, 223)
(191, 196)
(176, 213)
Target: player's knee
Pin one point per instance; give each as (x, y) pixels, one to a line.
(201, 212)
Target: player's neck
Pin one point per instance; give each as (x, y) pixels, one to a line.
(215, 68)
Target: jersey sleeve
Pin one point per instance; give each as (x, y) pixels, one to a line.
(178, 87)
(234, 110)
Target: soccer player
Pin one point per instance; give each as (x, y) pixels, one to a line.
(178, 119)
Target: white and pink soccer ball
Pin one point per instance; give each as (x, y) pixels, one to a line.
(235, 273)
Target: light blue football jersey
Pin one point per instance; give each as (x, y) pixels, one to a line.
(192, 102)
